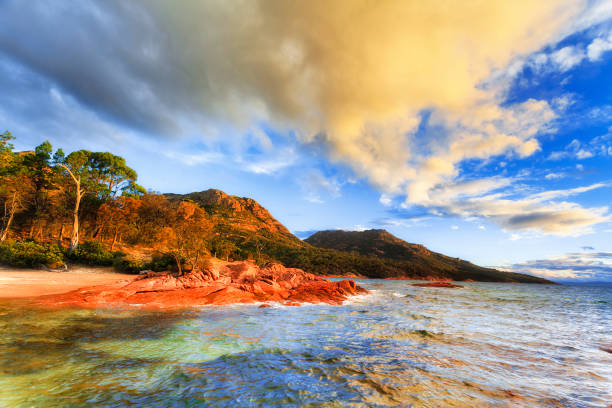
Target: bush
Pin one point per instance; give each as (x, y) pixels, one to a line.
(31, 254)
(127, 266)
(160, 263)
(93, 253)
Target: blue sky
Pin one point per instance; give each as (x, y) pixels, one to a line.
(482, 132)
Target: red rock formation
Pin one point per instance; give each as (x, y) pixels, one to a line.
(223, 283)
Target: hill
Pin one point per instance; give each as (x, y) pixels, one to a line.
(244, 229)
(375, 242)
(411, 257)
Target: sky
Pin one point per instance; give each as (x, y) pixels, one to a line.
(480, 129)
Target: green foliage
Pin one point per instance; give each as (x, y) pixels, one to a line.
(29, 254)
(128, 266)
(159, 263)
(102, 173)
(93, 253)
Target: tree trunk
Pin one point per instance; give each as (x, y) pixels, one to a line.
(114, 239)
(74, 240)
(10, 219)
(60, 240)
(178, 264)
(98, 233)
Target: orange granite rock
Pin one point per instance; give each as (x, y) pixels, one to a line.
(223, 283)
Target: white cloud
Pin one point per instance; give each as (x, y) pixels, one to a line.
(385, 200)
(539, 213)
(554, 176)
(315, 185)
(578, 266)
(268, 163)
(567, 57)
(579, 151)
(454, 227)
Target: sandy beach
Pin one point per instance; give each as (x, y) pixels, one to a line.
(18, 283)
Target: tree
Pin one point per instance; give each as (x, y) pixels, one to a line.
(14, 184)
(189, 235)
(6, 150)
(98, 173)
(43, 178)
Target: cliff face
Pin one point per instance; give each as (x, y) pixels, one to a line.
(241, 213)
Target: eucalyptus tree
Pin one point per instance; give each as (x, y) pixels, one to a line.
(39, 168)
(10, 193)
(101, 174)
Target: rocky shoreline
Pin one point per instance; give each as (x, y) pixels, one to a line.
(220, 284)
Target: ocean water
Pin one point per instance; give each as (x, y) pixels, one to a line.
(486, 345)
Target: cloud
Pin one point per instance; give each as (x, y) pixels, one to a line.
(315, 185)
(385, 200)
(402, 92)
(491, 199)
(597, 146)
(599, 46)
(195, 159)
(567, 57)
(554, 176)
(584, 266)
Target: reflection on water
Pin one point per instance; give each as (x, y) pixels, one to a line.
(486, 345)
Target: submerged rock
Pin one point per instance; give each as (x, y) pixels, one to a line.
(437, 285)
(222, 283)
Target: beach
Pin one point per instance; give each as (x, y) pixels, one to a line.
(19, 283)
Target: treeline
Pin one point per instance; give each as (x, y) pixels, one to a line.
(65, 201)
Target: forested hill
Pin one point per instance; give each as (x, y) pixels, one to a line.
(375, 242)
(243, 228)
(381, 244)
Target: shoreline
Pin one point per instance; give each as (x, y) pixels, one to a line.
(223, 283)
(28, 283)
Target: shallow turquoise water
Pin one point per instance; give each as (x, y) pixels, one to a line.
(498, 345)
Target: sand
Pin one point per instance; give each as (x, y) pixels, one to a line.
(18, 283)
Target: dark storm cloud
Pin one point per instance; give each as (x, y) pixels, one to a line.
(104, 54)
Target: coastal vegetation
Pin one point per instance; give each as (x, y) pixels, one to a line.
(87, 207)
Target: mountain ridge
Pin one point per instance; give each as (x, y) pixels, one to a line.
(250, 231)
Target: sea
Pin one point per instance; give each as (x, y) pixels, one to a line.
(483, 345)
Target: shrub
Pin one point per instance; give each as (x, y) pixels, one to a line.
(93, 253)
(160, 263)
(31, 254)
(128, 266)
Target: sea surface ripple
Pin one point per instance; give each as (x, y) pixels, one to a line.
(485, 345)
